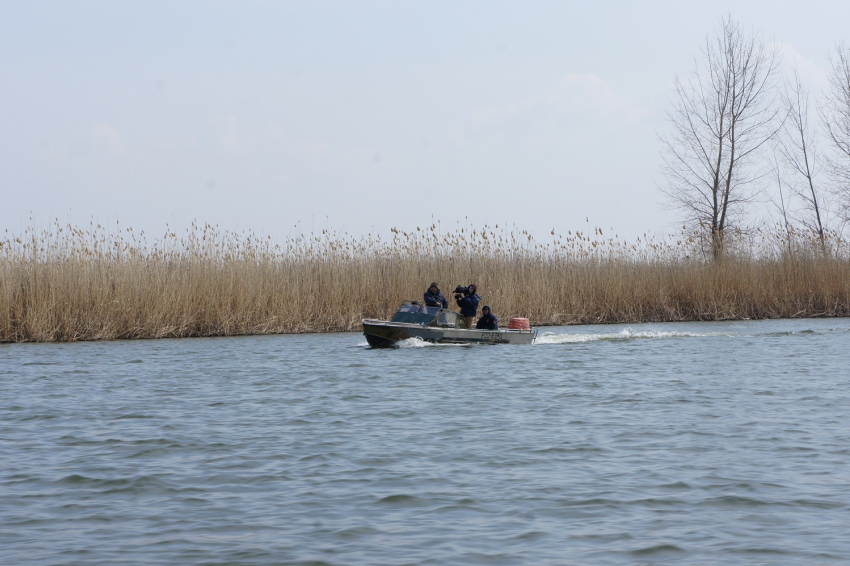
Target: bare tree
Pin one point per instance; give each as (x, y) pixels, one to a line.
(835, 116)
(722, 117)
(797, 144)
(783, 206)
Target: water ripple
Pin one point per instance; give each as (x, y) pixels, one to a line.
(710, 443)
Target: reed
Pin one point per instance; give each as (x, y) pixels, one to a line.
(68, 283)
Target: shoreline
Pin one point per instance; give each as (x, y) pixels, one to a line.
(818, 316)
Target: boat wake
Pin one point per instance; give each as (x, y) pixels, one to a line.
(414, 343)
(625, 334)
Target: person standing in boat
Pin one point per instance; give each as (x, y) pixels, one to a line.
(434, 297)
(467, 299)
(488, 321)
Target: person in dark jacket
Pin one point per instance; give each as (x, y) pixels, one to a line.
(487, 321)
(434, 298)
(468, 303)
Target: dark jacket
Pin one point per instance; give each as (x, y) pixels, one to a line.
(487, 322)
(469, 304)
(435, 300)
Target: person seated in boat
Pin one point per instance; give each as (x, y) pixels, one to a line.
(435, 298)
(488, 321)
(467, 299)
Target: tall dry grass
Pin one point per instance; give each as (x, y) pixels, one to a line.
(68, 283)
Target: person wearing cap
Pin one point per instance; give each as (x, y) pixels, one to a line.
(487, 321)
(434, 298)
(468, 303)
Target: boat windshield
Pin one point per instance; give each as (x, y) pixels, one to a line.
(448, 319)
(417, 314)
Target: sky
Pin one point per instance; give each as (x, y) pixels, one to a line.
(286, 117)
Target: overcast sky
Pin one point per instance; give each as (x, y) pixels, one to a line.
(357, 115)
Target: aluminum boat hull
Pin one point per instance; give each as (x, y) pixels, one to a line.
(384, 334)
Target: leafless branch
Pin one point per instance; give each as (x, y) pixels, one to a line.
(797, 144)
(835, 118)
(721, 119)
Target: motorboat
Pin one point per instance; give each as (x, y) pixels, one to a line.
(441, 326)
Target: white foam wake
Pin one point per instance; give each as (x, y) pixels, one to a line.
(414, 343)
(625, 334)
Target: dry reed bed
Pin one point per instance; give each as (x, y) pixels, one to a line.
(67, 283)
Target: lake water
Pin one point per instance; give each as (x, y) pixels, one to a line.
(703, 443)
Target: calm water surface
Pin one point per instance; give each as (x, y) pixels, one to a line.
(705, 443)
